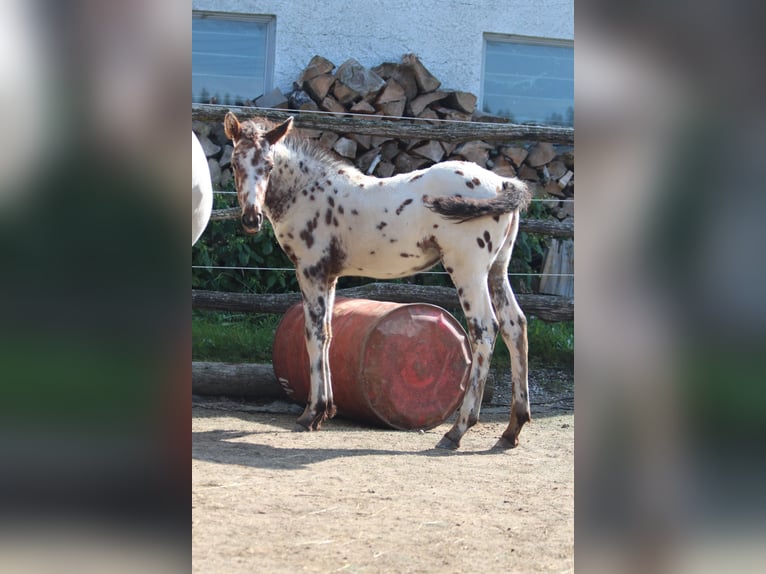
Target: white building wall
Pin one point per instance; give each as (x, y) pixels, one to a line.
(447, 35)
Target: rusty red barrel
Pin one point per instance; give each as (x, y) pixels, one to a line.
(399, 365)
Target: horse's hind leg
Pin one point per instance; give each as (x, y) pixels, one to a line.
(318, 301)
(471, 285)
(513, 327)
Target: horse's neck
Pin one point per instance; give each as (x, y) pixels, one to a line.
(301, 166)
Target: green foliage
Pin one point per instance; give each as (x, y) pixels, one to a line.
(233, 337)
(224, 244)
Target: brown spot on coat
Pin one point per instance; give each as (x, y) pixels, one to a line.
(404, 204)
(480, 241)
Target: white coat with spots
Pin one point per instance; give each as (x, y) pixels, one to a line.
(202, 190)
(332, 221)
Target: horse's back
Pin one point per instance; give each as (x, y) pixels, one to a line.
(202, 190)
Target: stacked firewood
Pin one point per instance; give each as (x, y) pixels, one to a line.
(406, 89)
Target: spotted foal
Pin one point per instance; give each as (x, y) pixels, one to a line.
(332, 221)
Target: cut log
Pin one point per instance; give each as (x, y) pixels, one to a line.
(328, 139)
(307, 133)
(344, 94)
(553, 188)
(540, 154)
(463, 101)
(355, 76)
(431, 150)
(405, 163)
(378, 141)
(425, 80)
(386, 70)
(393, 109)
(420, 103)
(528, 173)
(568, 158)
(365, 161)
(393, 92)
(330, 104)
(565, 179)
(319, 86)
(475, 151)
(563, 210)
(236, 380)
(364, 141)
(385, 169)
(275, 99)
(557, 169)
(451, 114)
(317, 66)
(504, 170)
(300, 100)
(405, 77)
(516, 154)
(428, 114)
(389, 150)
(362, 107)
(345, 147)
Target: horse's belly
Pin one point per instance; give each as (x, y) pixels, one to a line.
(390, 263)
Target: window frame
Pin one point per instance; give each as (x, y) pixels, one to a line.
(517, 39)
(270, 22)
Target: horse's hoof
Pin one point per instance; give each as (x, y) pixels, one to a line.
(448, 443)
(504, 443)
(298, 427)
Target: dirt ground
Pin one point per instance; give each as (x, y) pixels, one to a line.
(357, 499)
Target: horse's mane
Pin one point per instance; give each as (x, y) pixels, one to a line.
(306, 148)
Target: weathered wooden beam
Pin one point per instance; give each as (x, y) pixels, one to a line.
(454, 132)
(235, 379)
(541, 226)
(546, 307)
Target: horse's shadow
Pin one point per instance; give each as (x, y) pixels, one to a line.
(220, 446)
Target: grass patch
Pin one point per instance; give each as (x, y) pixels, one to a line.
(550, 345)
(233, 337)
(249, 338)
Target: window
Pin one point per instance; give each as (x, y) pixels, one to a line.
(232, 57)
(529, 80)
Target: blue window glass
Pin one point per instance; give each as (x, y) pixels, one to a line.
(529, 81)
(231, 57)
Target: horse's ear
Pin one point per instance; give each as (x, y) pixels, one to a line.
(280, 131)
(231, 126)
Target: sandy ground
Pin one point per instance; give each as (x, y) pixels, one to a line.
(358, 499)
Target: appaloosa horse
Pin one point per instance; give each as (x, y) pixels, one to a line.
(332, 221)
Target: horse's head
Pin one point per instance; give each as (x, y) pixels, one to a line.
(252, 161)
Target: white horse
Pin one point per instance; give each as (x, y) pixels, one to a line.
(202, 190)
(332, 220)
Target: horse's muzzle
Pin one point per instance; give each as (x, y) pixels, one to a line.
(251, 222)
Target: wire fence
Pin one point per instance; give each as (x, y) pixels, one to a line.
(365, 117)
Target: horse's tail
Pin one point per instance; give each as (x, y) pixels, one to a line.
(514, 195)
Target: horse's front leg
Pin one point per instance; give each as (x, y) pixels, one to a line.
(318, 303)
